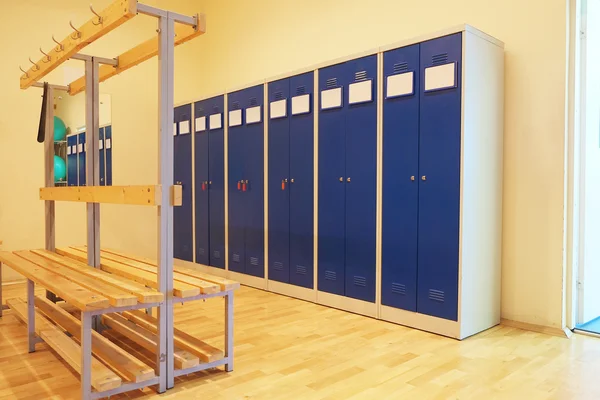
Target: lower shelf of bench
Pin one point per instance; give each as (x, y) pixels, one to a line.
(124, 354)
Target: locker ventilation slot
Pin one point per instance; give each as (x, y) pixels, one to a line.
(278, 266)
(400, 67)
(254, 261)
(399, 288)
(360, 281)
(216, 254)
(332, 83)
(300, 90)
(301, 269)
(440, 58)
(235, 105)
(253, 102)
(199, 111)
(278, 96)
(201, 251)
(216, 109)
(436, 295)
(360, 76)
(330, 275)
(236, 258)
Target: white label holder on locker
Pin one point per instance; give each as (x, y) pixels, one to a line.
(235, 118)
(400, 85)
(200, 124)
(278, 109)
(184, 127)
(253, 115)
(360, 92)
(215, 121)
(440, 77)
(301, 104)
(331, 98)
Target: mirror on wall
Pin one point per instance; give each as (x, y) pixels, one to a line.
(70, 145)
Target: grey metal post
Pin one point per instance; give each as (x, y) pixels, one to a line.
(229, 331)
(92, 128)
(31, 338)
(86, 355)
(165, 351)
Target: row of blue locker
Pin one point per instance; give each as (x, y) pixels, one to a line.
(421, 178)
(76, 157)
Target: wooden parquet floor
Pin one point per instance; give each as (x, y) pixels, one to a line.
(291, 349)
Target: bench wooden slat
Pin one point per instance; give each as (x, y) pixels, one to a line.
(146, 339)
(102, 377)
(143, 277)
(116, 297)
(225, 284)
(80, 297)
(143, 294)
(205, 287)
(117, 359)
(204, 351)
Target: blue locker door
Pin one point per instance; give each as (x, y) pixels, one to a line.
(279, 185)
(332, 175)
(361, 181)
(201, 183)
(236, 174)
(102, 159)
(439, 184)
(301, 180)
(400, 173)
(182, 215)
(254, 196)
(216, 176)
(108, 151)
(72, 169)
(81, 151)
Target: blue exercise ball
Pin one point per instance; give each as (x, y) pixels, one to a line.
(60, 129)
(60, 169)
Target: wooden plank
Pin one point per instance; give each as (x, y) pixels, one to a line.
(146, 339)
(80, 297)
(143, 294)
(141, 53)
(205, 287)
(118, 12)
(141, 195)
(204, 351)
(225, 284)
(116, 297)
(102, 377)
(117, 359)
(143, 277)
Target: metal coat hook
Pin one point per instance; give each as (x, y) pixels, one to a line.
(77, 32)
(47, 58)
(37, 67)
(97, 15)
(25, 72)
(60, 46)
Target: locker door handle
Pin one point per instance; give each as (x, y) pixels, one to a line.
(423, 178)
(204, 185)
(292, 181)
(348, 180)
(283, 182)
(412, 177)
(341, 179)
(239, 185)
(244, 185)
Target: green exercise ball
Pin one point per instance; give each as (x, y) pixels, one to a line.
(60, 129)
(60, 169)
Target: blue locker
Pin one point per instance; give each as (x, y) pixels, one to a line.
(182, 216)
(401, 86)
(236, 176)
(332, 175)
(102, 160)
(81, 148)
(201, 184)
(279, 177)
(439, 183)
(361, 178)
(216, 180)
(253, 102)
(301, 180)
(72, 169)
(108, 153)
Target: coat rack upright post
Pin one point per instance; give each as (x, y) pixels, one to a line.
(49, 208)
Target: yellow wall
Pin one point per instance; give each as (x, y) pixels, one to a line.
(248, 41)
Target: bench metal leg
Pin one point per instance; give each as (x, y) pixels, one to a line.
(31, 315)
(86, 356)
(229, 331)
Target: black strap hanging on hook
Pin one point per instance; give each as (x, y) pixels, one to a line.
(41, 137)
